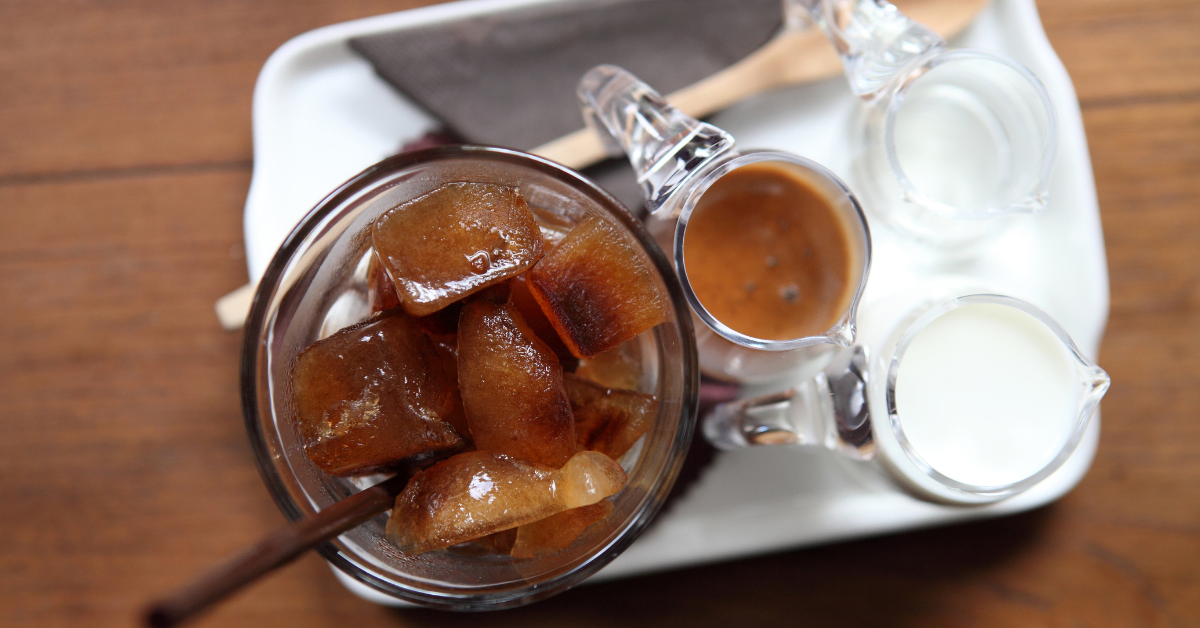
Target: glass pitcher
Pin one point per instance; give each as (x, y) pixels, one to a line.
(961, 399)
(950, 145)
(777, 286)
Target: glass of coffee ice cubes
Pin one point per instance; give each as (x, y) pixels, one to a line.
(499, 321)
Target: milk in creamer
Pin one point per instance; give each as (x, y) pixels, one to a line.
(987, 394)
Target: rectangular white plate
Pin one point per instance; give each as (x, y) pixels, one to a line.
(321, 115)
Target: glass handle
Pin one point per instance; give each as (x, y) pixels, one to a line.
(665, 146)
(875, 40)
(830, 411)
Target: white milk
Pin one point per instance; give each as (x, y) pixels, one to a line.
(987, 394)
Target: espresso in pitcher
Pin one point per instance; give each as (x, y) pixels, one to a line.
(769, 255)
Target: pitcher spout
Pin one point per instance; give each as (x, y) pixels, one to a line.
(843, 333)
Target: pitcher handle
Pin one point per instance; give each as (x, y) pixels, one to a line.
(874, 39)
(666, 147)
(829, 411)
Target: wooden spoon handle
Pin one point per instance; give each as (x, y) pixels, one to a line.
(276, 550)
(792, 57)
(575, 150)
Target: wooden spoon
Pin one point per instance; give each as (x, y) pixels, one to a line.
(792, 58)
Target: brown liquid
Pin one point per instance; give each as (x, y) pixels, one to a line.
(769, 256)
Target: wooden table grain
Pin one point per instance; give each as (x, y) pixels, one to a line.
(125, 157)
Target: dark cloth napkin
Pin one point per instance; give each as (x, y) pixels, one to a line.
(509, 78)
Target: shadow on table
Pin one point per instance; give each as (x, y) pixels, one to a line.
(898, 580)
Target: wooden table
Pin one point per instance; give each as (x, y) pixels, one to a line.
(124, 468)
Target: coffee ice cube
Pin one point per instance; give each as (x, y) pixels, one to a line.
(477, 493)
(598, 289)
(619, 367)
(456, 417)
(442, 325)
(498, 542)
(372, 395)
(453, 241)
(608, 420)
(381, 292)
(557, 532)
(494, 544)
(588, 477)
(512, 387)
(523, 300)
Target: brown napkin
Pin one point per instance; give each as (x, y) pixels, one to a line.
(509, 78)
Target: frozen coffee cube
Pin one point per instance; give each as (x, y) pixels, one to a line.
(442, 325)
(372, 395)
(512, 387)
(474, 494)
(469, 496)
(456, 417)
(557, 532)
(608, 420)
(381, 292)
(523, 300)
(554, 225)
(588, 477)
(619, 367)
(499, 542)
(453, 241)
(598, 289)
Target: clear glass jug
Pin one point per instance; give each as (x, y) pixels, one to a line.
(771, 306)
(961, 398)
(950, 145)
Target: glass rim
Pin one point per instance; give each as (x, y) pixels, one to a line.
(259, 324)
(843, 332)
(1087, 404)
(917, 69)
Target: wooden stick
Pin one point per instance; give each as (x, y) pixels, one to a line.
(276, 550)
(233, 308)
(792, 57)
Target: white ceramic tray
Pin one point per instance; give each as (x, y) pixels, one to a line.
(321, 115)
